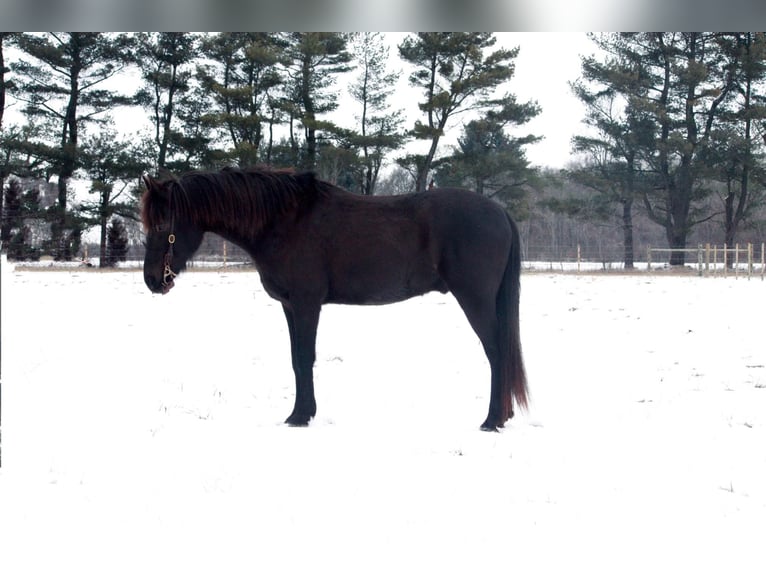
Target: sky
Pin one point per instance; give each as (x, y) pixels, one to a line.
(546, 63)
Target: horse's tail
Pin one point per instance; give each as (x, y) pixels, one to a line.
(513, 384)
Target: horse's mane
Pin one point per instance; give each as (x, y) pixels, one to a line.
(243, 200)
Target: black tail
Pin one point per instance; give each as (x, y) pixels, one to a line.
(513, 385)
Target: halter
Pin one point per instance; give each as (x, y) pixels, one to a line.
(167, 273)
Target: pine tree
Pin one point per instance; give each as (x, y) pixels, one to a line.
(116, 242)
(313, 59)
(490, 160)
(114, 167)
(380, 129)
(677, 84)
(165, 59)
(456, 75)
(734, 152)
(12, 215)
(612, 168)
(242, 80)
(20, 208)
(62, 84)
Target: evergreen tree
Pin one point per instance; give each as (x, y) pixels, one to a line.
(12, 212)
(676, 83)
(734, 153)
(313, 60)
(380, 130)
(490, 160)
(3, 83)
(63, 85)
(116, 243)
(5, 149)
(456, 75)
(612, 168)
(20, 208)
(193, 141)
(165, 59)
(114, 168)
(242, 80)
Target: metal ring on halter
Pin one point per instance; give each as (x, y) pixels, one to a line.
(172, 238)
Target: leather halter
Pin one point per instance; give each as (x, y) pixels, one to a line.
(167, 273)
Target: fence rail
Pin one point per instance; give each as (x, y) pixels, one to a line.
(708, 260)
(715, 260)
(741, 260)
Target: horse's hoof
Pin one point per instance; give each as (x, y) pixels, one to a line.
(491, 427)
(297, 421)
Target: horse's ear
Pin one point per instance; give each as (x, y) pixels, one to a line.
(154, 186)
(149, 183)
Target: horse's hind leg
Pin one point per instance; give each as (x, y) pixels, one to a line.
(482, 316)
(302, 324)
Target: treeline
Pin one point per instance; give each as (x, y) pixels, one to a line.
(673, 135)
(677, 131)
(232, 98)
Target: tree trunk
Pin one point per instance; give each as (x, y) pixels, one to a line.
(627, 232)
(734, 215)
(422, 181)
(61, 239)
(103, 217)
(677, 241)
(2, 82)
(102, 262)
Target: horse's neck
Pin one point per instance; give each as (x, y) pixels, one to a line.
(245, 220)
(231, 234)
(234, 231)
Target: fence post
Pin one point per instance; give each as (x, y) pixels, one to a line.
(715, 260)
(649, 258)
(578, 257)
(224, 254)
(725, 259)
(763, 260)
(707, 259)
(736, 260)
(699, 260)
(749, 261)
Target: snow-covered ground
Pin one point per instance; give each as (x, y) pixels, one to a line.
(143, 433)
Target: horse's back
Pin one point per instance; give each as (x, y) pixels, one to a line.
(386, 249)
(465, 212)
(376, 249)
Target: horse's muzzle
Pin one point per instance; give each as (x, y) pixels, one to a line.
(157, 286)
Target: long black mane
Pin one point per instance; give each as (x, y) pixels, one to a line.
(206, 199)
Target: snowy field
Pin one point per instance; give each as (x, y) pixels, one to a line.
(143, 433)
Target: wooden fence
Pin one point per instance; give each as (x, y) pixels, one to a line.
(712, 259)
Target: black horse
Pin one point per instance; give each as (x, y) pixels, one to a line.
(314, 243)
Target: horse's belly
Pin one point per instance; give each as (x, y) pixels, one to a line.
(385, 292)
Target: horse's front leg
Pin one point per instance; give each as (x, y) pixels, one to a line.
(302, 322)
